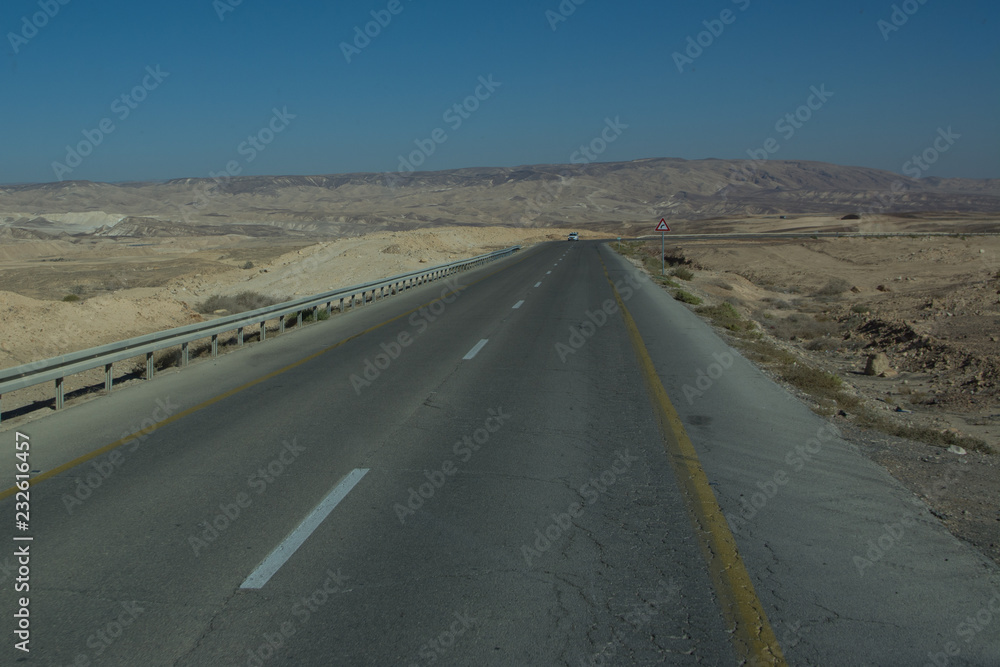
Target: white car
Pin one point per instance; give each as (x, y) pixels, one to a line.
(574, 237)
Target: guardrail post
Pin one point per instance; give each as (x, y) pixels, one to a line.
(149, 366)
(60, 397)
(239, 336)
(299, 319)
(281, 324)
(109, 377)
(341, 304)
(316, 313)
(263, 331)
(215, 345)
(329, 308)
(185, 354)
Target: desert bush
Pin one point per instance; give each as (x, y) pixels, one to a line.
(824, 344)
(727, 317)
(765, 352)
(682, 273)
(869, 419)
(777, 304)
(237, 303)
(802, 326)
(834, 287)
(812, 380)
(69, 298)
(687, 297)
(651, 264)
(292, 319)
(167, 358)
(676, 260)
(247, 265)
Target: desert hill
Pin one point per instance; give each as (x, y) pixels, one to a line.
(532, 196)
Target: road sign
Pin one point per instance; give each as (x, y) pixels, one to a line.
(663, 227)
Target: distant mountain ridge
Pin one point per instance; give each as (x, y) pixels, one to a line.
(536, 195)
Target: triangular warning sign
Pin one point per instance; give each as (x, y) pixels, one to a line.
(663, 226)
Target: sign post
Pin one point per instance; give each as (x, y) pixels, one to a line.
(663, 228)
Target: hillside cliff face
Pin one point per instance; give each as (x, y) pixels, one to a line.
(538, 195)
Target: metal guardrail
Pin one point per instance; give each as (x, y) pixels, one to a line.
(58, 368)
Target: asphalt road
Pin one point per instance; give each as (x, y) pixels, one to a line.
(483, 472)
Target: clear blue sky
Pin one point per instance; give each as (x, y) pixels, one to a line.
(892, 90)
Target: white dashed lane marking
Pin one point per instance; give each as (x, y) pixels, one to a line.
(475, 350)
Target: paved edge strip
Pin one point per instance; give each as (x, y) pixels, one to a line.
(288, 546)
(751, 632)
(215, 399)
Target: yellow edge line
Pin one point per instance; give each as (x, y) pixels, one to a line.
(215, 399)
(752, 635)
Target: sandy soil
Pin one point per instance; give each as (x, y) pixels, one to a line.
(930, 304)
